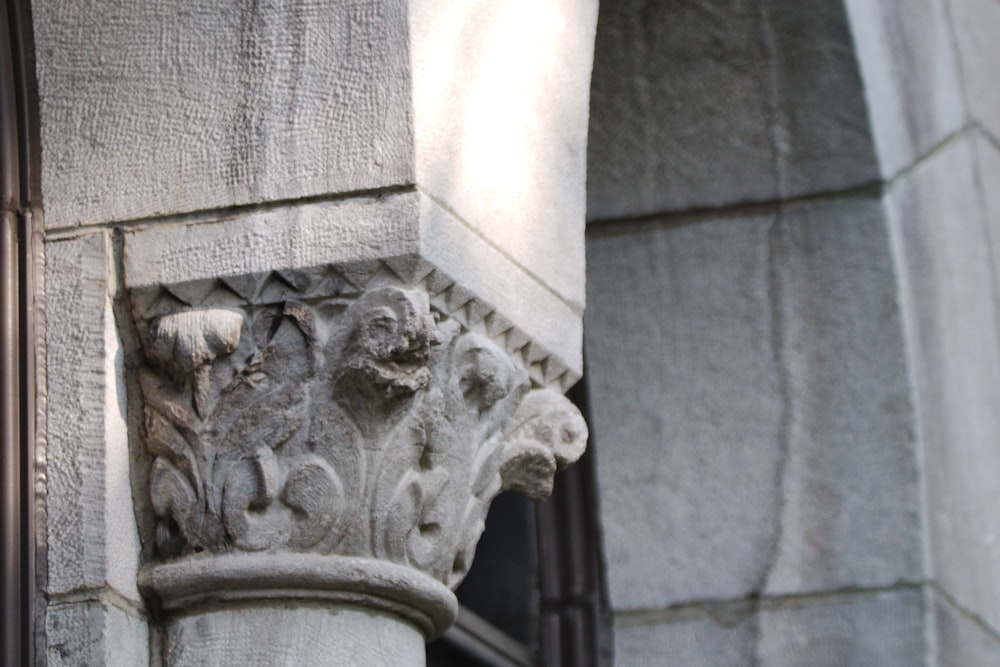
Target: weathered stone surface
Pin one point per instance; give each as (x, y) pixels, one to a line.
(850, 487)
(218, 105)
(689, 639)
(500, 90)
(547, 318)
(753, 416)
(961, 641)
(293, 237)
(93, 633)
(314, 440)
(976, 24)
(310, 636)
(154, 108)
(92, 538)
(706, 103)
(405, 234)
(884, 629)
(949, 291)
(911, 76)
(689, 411)
(987, 152)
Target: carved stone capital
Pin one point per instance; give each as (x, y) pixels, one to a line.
(314, 439)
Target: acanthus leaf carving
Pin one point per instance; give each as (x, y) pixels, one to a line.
(549, 434)
(368, 425)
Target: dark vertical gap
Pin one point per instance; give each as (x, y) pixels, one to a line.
(575, 617)
(20, 183)
(10, 439)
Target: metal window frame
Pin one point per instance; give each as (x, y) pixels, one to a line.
(574, 615)
(19, 213)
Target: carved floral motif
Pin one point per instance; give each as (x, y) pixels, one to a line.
(366, 425)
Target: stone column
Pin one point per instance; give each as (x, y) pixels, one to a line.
(326, 442)
(334, 388)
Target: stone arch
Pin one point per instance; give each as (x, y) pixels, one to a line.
(745, 343)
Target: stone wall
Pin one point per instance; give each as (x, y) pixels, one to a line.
(791, 334)
(211, 170)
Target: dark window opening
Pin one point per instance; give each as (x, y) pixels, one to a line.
(18, 197)
(535, 595)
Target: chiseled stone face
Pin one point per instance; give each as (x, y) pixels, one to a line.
(160, 107)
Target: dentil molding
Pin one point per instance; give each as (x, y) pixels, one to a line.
(316, 439)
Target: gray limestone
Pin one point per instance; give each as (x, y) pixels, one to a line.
(976, 24)
(94, 633)
(151, 110)
(547, 317)
(850, 488)
(92, 539)
(987, 153)
(865, 630)
(154, 108)
(364, 230)
(751, 411)
(500, 91)
(949, 292)
(707, 103)
(300, 635)
(292, 237)
(912, 80)
(961, 639)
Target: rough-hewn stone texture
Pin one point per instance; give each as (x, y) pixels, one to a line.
(500, 91)
(976, 24)
(700, 104)
(152, 108)
(293, 237)
(884, 629)
(950, 295)
(94, 633)
(366, 230)
(911, 74)
(92, 538)
(751, 405)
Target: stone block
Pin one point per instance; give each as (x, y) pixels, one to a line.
(708, 103)
(500, 92)
(884, 629)
(154, 108)
(987, 152)
(292, 237)
(151, 110)
(750, 405)
(443, 249)
(961, 640)
(694, 638)
(976, 24)
(92, 538)
(94, 633)
(911, 74)
(850, 497)
(949, 292)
